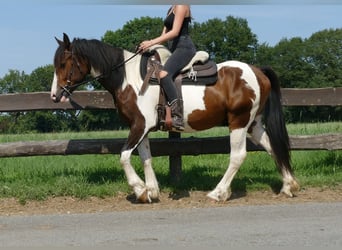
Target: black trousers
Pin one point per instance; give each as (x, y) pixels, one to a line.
(183, 50)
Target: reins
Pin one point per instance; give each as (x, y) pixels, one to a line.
(67, 88)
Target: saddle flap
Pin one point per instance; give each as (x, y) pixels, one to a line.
(202, 70)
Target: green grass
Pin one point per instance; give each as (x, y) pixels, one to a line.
(36, 178)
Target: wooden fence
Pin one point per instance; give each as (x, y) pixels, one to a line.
(174, 146)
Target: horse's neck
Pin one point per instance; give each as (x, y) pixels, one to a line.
(127, 54)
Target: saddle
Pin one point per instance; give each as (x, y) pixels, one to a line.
(199, 71)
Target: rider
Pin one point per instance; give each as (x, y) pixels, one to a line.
(176, 32)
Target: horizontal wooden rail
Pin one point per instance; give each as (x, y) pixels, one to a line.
(103, 100)
(159, 147)
(41, 101)
(312, 97)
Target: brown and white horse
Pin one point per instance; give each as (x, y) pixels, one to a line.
(242, 97)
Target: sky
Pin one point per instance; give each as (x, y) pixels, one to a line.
(28, 28)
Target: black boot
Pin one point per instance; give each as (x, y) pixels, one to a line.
(177, 114)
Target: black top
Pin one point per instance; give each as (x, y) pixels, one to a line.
(168, 22)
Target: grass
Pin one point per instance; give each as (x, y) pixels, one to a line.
(36, 178)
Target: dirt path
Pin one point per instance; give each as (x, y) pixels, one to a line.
(197, 199)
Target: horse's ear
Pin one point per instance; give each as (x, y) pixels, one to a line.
(66, 41)
(59, 41)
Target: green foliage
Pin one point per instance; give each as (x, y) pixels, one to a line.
(13, 82)
(315, 62)
(40, 79)
(134, 32)
(325, 55)
(310, 63)
(230, 39)
(93, 120)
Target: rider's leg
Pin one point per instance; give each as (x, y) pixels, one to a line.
(175, 103)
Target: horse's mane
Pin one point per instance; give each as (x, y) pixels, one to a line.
(102, 56)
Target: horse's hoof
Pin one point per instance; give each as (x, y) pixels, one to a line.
(153, 193)
(289, 188)
(144, 197)
(287, 193)
(218, 196)
(212, 196)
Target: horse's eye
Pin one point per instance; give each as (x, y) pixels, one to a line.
(62, 65)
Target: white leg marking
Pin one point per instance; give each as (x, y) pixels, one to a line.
(259, 136)
(150, 177)
(238, 154)
(133, 179)
(290, 184)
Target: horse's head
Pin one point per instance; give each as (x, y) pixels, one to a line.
(71, 68)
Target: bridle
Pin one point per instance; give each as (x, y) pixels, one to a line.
(69, 87)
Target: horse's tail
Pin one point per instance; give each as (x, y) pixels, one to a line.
(275, 123)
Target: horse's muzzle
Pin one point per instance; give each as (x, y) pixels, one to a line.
(56, 99)
(63, 96)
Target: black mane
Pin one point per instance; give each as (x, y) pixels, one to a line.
(103, 57)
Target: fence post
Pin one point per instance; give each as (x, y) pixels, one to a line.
(175, 162)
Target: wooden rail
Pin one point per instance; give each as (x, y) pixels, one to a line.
(159, 147)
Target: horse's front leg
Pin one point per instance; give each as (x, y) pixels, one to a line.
(150, 177)
(133, 179)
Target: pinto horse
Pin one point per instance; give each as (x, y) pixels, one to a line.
(245, 97)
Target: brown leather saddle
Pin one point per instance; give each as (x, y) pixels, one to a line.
(200, 71)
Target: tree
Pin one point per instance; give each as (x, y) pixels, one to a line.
(133, 32)
(40, 79)
(310, 63)
(324, 54)
(231, 39)
(13, 82)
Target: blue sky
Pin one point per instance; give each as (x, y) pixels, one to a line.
(28, 28)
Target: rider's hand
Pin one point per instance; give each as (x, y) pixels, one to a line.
(145, 45)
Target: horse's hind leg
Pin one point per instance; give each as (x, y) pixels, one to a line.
(150, 177)
(238, 154)
(259, 136)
